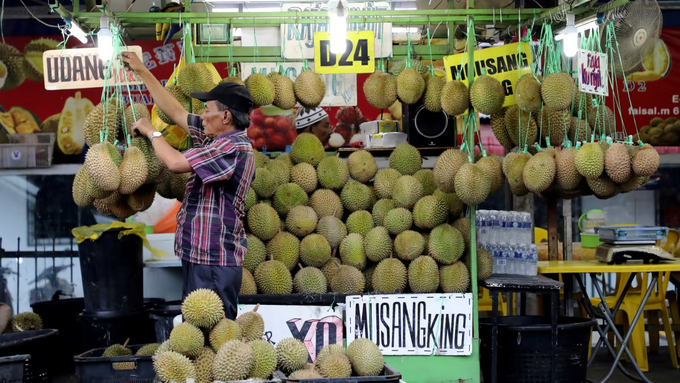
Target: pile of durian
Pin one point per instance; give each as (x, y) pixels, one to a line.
(121, 184)
(318, 224)
(208, 347)
(16, 67)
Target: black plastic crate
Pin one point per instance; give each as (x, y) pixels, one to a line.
(389, 374)
(91, 367)
(40, 345)
(12, 368)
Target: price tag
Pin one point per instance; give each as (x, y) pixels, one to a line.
(357, 58)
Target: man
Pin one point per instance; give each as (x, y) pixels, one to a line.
(210, 238)
(315, 121)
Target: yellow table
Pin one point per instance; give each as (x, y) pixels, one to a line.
(593, 268)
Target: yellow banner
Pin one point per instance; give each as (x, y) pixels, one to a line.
(357, 58)
(506, 63)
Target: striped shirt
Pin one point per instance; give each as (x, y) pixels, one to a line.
(210, 228)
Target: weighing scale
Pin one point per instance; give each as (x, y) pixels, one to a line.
(631, 253)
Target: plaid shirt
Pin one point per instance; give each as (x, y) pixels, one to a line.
(210, 229)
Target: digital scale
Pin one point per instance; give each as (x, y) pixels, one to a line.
(631, 244)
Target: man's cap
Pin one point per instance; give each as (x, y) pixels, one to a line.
(231, 94)
(307, 117)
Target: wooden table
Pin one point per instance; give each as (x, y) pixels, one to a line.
(593, 268)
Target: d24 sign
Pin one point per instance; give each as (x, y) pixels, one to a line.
(357, 58)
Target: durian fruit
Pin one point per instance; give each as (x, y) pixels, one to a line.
(377, 244)
(365, 357)
(484, 263)
(384, 182)
(33, 60)
(103, 118)
(332, 172)
(446, 244)
(617, 163)
(195, 77)
(380, 210)
(398, 220)
(273, 277)
(263, 221)
(416, 64)
(148, 349)
(327, 350)
(454, 278)
(288, 196)
(333, 230)
(499, 129)
(557, 90)
(310, 280)
(102, 167)
(335, 366)
(601, 119)
(305, 373)
(352, 251)
(309, 88)
(455, 98)
(301, 220)
(204, 363)
(133, 170)
(307, 148)
(515, 174)
(390, 276)
(589, 160)
(348, 280)
(579, 130)
(264, 359)
(410, 86)
(224, 331)
(472, 184)
(261, 159)
(645, 161)
(603, 187)
(423, 275)
(233, 361)
(248, 285)
(432, 99)
(235, 79)
(360, 221)
(331, 268)
(117, 350)
(406, 159)
(314, 249)
(430, 211)
(264, 183)
(261, 88)
(492, 166)
(304, 175)
(407, 191)
(632, 184)
(554, 124)
(284, 247)
(280, 170)
(520, 125)
(362, 166)
(178, 184)
(528, 93)
(454, 204)
(12, 61)
(356, 196)
(446, 168)
(251, 200)
(380, 89)
(81, 189)
(487, 94)
(202, 308)
(462, 224)
(291, 355)
(186, 339)
(567, 176)
(187, 103)
(539, 172)
(284, 95)
(251, 324)
(164, 347)
(173, 367)
(154, 165)
(327, 203)
(408, 245)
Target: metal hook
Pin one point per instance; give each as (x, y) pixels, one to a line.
(501, 10)
(494, 16)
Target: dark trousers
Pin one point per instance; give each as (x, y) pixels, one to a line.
(224, 280)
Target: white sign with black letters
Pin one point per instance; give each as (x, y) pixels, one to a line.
(412, 324)
(315, 326)
(592, 72)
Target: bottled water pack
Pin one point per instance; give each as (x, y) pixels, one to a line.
(507, 236)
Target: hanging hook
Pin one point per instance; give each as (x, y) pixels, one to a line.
(494, 16)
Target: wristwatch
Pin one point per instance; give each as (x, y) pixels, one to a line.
(154, 135)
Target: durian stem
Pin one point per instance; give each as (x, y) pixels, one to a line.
(126, 342)
(257, 306)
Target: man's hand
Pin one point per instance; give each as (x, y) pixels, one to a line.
(143, 127)
(133, 61)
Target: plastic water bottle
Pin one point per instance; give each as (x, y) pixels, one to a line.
(532, 261)
(526, 227)
(498, 263)
(482, 229)
(494, 227)
(504, 225)
(514, 232)
(521, 257)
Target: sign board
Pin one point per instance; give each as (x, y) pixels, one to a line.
(592, 72)
(506, 63)
(357, 58)
(413, 324)
(81, 68)
(315, 326)
(341, 88)
(297, 40)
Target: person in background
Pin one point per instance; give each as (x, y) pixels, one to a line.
(315, 121)
(210, 238)
(5, 316)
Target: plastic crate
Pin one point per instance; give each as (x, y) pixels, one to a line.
(40, 345)
(623, 234)
(27, 151)
(12, 368)
(389, 374)
(91, 367)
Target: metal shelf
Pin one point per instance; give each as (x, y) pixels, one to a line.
(61, 169)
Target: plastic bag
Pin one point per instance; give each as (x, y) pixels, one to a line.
(168, 223)
(93, 233)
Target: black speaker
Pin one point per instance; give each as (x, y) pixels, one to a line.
(429, 129)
